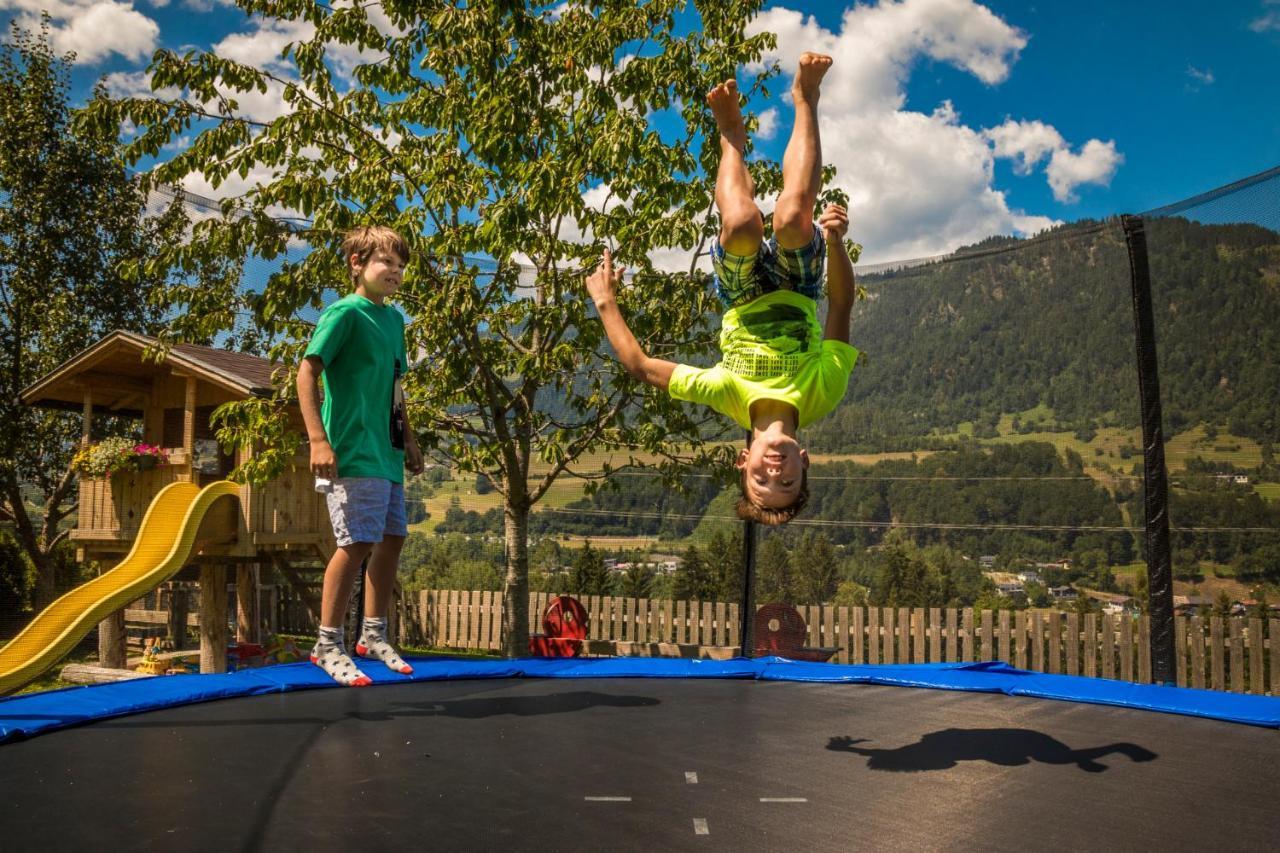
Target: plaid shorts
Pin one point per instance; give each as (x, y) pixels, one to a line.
(742, 278)
(365, 509)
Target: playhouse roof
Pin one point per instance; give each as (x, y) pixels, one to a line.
(115, 371)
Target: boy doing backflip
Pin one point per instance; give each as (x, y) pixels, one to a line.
(361, 443)
(779, 370)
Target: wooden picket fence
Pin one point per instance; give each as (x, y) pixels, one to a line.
(1233, 653)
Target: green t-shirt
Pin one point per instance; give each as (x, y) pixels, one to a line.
(771, 348)
(362, 346)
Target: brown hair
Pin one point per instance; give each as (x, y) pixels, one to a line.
(366, 239)
(750, 511)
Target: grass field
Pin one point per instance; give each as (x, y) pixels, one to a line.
(1103, 451)
(1269, 491)
(1102, 458)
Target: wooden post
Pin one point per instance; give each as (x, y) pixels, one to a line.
(111, 636)
(953, 634)
(1055, 642)
(988, 637)
(904, 635)
(860, 634)
(1091, 644)
(1216, 652)
(179, 607)
(935, 635)
(1256, 655)
(1180, 649)
(189, 430)
(1197, 651)
(1273, 630)
(970, 646)
(86, 426)
(873, 635)
(889, 636)
(1126, 647)
(1006, 641)
(917, 635)
(248, 623)
(213, 618)
(1236, 638)
(1073, 643)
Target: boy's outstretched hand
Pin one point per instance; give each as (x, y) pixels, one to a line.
(834, 222)
(603, 283)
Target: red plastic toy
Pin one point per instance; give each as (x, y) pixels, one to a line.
(565, 627)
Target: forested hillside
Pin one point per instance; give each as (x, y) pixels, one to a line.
(1051, 325)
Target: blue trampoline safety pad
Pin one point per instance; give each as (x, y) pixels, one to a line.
(36, 713)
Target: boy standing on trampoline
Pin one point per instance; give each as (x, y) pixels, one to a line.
(779, 370)
(360, 445)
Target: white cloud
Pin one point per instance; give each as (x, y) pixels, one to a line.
(94, 29)
(768, 123)
(1028, 143)
(922, 183)
(1024, 142)
(1204, 77)
(136, 84)
(1269, 20)
(1095, 164)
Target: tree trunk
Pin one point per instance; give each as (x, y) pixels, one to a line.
(515, 590)
(46, 586)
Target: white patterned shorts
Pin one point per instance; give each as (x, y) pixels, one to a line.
(365, 509)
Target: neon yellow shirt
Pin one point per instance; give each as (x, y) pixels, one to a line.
(771, 349)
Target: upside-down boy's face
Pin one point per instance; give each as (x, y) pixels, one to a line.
(771, 470)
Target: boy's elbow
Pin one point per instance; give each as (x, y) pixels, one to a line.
(638, 372)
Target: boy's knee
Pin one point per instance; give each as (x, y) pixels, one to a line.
(793, 222)
(741, 222)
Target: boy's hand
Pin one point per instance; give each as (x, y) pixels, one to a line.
(834, 222)
(324, 463)
(603, 283)
(413, 457)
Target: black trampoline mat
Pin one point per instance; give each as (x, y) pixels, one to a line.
(643, 764)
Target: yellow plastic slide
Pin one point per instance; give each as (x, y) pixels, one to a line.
(164, 543)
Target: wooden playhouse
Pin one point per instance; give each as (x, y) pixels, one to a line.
(281, 527)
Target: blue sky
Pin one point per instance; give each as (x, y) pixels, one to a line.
(948, 119)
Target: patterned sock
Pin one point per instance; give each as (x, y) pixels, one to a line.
(330, 655)
(373, 644)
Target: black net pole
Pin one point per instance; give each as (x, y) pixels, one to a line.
(748, 632)
(747, 611)
(1155, 480)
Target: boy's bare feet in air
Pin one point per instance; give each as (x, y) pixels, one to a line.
(809, 76)
(723, 100)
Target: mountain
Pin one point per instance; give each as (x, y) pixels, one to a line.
(1049, 322)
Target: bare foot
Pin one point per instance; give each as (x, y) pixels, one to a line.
(809, 76)
(723, 100)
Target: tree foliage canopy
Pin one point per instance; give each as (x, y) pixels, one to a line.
(71, 218)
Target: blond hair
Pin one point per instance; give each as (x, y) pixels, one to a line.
(367, 239)
(748, 510)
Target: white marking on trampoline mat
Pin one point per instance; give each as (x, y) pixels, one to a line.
(607, 799)
(700, 826)
(784, 799)
(691, 777)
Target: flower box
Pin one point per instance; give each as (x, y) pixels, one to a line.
(117, 455)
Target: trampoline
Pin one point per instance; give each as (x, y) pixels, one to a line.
(572, 761)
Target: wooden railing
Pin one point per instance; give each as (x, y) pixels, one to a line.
(1234, 653)
(113, 508)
